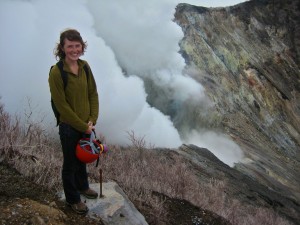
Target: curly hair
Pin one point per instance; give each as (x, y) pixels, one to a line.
(71, 35)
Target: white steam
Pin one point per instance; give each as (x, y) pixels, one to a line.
(225, 149)
(138, 37)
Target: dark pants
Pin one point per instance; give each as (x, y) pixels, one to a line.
(74, 175)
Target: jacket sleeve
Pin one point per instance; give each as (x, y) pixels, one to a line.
(93, 97)
(58, 96)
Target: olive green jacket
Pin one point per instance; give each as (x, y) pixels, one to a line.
(78, 103)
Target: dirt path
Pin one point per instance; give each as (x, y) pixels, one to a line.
(22, 202)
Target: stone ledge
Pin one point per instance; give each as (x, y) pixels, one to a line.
(114, 207)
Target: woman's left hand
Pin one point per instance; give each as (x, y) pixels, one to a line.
(90, 128)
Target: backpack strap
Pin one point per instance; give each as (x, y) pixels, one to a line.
(87, 72)
(64, 75)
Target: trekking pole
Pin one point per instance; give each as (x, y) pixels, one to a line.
(101, 195)
(104, 150)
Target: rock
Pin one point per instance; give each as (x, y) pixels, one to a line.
(53, 204)
(37, 220)
(239, 185)
(252, 58)
(247, 59)
(114, 207)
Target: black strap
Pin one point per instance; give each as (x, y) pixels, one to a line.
(64, 75)
(87, 73)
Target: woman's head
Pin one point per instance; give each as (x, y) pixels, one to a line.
(70, 35)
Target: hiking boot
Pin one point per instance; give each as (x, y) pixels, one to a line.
(79, 207)
(89, 193)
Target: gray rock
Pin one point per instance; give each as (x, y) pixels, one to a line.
(114, 207)
(241, 186)
(248, 63)
(247, 58)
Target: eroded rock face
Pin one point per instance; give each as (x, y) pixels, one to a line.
(247, 58)
(238, 185)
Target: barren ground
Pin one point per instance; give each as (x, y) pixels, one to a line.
(23, 202)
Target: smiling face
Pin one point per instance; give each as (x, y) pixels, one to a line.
(73, 50)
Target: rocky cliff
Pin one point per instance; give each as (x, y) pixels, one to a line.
(247, 58)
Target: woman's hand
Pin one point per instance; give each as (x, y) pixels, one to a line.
(90, 128)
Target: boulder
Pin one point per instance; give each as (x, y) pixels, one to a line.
(113, 207)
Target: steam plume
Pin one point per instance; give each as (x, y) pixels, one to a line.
(126, 43)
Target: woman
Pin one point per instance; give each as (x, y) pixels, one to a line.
(78, 107)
